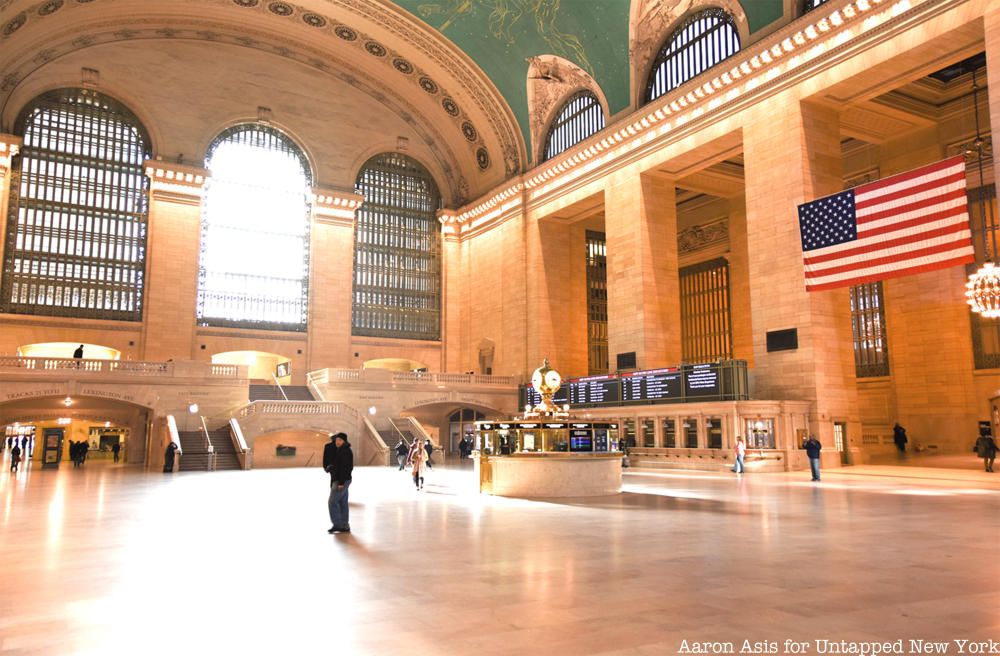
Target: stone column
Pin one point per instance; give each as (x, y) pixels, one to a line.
(784, 168)
(740, 311)
(458, 353)
(643, 291)
(9, 147)
(172, 252)
(331, 279)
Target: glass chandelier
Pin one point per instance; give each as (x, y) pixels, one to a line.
(982, 292)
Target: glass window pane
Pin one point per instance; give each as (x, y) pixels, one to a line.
(698, 44)
(690, 426)
(669, 433)
(713, 428)
(581, 117)
(648, 433)
(78, 210)
(706, 323)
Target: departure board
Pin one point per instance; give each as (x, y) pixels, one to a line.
(652, 385)
(560, 398)
(594, 390)
(701, 380)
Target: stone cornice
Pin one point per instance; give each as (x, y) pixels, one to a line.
(176, 183)
(9, 146)
(758, 71)
(335, 206)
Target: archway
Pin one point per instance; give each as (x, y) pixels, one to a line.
(67, 349)
(260, 364)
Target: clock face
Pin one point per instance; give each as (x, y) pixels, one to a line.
(552, 379)
(536, 380)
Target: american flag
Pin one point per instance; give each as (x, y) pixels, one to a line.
(909, 223)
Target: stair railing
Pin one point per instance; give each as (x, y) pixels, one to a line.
(242, 451)
(418, 429)
(381, 448)
(280, 388)
(208, 441)
(399, 432)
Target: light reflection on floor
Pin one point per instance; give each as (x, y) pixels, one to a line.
(112, 560)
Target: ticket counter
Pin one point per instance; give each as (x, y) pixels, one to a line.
(537, 459)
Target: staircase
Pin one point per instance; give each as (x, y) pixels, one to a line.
(195, 456)
(225, 452)
(273, 393)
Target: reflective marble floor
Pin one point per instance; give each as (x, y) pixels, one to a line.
(114, 560)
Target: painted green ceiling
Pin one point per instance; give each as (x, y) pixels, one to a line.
(499, 35)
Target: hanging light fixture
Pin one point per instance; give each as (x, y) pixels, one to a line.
(982, 292)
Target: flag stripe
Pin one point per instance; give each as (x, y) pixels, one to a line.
(894, 255)
(893, 273)
(912, 205)
(907, 223)
(901, 178)
(951, 228)
(955, 180)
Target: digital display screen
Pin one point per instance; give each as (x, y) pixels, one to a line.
(600, 439)
(701, 380)
(594, 390)
(560, 398)
(581, 440)
(653, 385)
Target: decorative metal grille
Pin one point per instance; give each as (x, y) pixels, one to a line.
(983, 221)
(579, 118)
(597, 302)
(397, 251)
(706, 325)
(254, 270)
(871, 349)
(701, 42)
(76, 228)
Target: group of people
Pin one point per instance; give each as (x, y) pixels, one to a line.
(811, 445)
(416, 455)
(78, 452)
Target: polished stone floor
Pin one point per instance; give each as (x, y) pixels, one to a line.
(114, 560)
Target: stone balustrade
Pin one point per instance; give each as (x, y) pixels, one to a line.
(297, 408)
(12, 364)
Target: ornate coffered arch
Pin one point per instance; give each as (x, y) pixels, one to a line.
(420, 78)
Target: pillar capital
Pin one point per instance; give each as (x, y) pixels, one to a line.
(9, 146)
(335, 205)
(176, 183)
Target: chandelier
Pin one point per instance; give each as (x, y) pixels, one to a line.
(982, 292)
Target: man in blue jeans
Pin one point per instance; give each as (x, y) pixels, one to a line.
(813, 447)
(338, 460)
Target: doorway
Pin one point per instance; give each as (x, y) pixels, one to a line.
(840, 441)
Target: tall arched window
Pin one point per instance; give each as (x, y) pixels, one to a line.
(76, 228)
(578, 119)
(701, 42)
(397, 251)
(254, 269)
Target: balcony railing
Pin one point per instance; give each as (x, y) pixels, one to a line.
(454, 379)
(297, 408)
(13, 364)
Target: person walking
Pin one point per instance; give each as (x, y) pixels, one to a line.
(899, 438)
(813, 447)
(986, 448)
(78, 353)
(429, 447)
(402, 452)
(15, 458)
(116, 449)
(741, 452)
(338, 461)
(418, 459)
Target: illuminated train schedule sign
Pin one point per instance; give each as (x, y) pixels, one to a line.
(714, 381)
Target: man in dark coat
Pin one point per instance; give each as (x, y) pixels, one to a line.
(430, 451)
(15, 457)
(899, 437)
(168, 458)
(116, 449)
(986, 448)
(813, 447)
(402, 453)
(338, 461)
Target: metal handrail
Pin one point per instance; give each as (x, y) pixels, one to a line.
(401, 436)
(280, 388)
(204, 427)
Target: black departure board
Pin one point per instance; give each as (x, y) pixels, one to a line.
(652, 385)
(701, 380)
(594, 390)
(560, 398)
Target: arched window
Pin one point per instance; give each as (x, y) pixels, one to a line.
(76, 227)
(701, 42)
(579, 118)
(397, 251)
(254, 269)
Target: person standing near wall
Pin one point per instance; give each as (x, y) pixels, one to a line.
(741, 452)
(338, 460)
(899, 438)
(168, 458)
(986, 448)
(813, 447)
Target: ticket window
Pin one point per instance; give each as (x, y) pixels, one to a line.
(713, 430)
(628, 437)
(648, 427)
(690, 426)
(670, 433)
